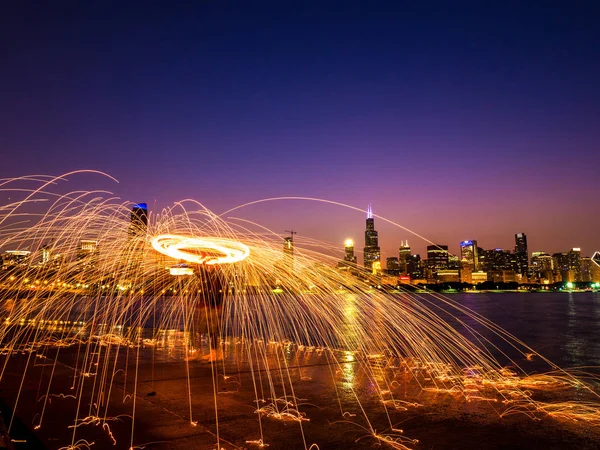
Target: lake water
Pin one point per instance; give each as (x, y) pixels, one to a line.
(563, 327)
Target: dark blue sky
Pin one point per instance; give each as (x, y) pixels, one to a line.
(458, 120)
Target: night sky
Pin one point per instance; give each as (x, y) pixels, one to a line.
(460, 122)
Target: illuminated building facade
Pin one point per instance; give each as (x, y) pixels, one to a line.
(453, 262)
(479, 277)
(466, 270)
(46, 254)
(288, 252)
(403, 257)
(521, 255)
(349, 255)
(138, 225)
(560, 262)
(437, 256)
(469, 256)
(288, 246)
(596, 258)
(574, 261)
(596, 267)
(87, 253)
(542, 267)
(87, 246)
(349, 261)
(376, 270)
(587, 273)
(448, 276)
(13, 258)
(496, 259)
(392, 265)
(371, 251)
(414, 267)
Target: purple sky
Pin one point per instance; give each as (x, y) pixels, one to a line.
(470, 122)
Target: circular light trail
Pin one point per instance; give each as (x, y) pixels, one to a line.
(197, 250)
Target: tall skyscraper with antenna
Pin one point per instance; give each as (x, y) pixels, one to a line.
(371, 251)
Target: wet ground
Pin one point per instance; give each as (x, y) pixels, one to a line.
(174, 410)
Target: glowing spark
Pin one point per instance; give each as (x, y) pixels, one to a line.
(196, 250)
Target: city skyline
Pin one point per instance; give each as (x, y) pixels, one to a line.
(388, 247)
(457, 123)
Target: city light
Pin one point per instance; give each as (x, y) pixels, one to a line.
(228, 293)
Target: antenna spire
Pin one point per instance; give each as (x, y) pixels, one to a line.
(369, 212)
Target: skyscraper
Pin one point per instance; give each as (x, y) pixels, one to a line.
(138, 228)
(392, 265)
(288, 252)
(574, 257)
(469, 254)
(414, 267)
(542, 266)
(596, 258)
(403, 257)
(437, 256)
(587, 273)
(349, 255)
(521, 254)
(138, 225)
(288, 246)
(560, 262)
(371, 250)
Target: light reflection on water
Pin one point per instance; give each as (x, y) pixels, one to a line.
(564, 327)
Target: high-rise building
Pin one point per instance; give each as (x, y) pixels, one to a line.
(288, 246)
(392, 265)
(587, 273)
(574, 258)
(542, 266)
(288, 252)
(403, 257)
(469, 255)
(496, 259)
(521, 255)
(414, 267)
(596, 258)
(453, 262)
(466, 271)
(596, 267)
(138, 225)
(349, 255)
(371, 250)
(560, 264)
(138, 229)
(348, 264)
(437, 256)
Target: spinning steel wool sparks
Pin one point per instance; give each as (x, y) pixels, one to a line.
(260, 318)
(201, 251)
